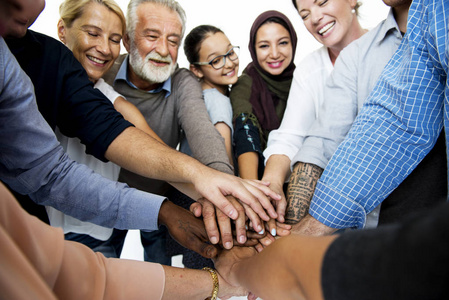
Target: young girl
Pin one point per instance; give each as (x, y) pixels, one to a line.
(214, 60)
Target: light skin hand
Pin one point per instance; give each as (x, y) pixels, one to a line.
(300, 191)
(256, 197)
(277, 171)
(311, 226)
(211, 215)
(281, 229)
(135, 150)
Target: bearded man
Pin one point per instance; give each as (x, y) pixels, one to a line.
(169, 97)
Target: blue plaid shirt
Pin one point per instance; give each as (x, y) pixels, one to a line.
(398, 125)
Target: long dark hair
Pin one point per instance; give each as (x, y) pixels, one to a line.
(195, 38)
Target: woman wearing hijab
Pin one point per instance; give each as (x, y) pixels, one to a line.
(260, 95)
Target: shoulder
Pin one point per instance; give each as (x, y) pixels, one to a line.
(314, 59)
(182, 74)
(315, 67)
(214, 98)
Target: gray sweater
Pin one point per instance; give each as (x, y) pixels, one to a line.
(182, 111)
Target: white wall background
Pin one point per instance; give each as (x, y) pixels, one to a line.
(234, 17)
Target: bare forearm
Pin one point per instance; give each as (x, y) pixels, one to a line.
(186, 284)
(248, 165)
(277, 169)
(290, 268)
(300, 191)
(136, 151)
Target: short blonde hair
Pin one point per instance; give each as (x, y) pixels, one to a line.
(70, 10)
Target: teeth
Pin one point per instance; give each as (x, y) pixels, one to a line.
(230, 73)
(326, 28)
(94, 59)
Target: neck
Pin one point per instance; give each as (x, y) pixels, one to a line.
(223, 89)
(355, 32)
(400, 15)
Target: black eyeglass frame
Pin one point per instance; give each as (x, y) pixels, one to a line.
(224, 56)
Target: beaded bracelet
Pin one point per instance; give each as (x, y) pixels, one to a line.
(214, 275)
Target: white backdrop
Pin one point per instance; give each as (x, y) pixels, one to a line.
(234, 17)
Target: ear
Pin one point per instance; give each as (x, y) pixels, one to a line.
(61, 31)
(126, 42)
(196, 71)
(353, 3)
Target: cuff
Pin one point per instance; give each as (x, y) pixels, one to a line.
(335, 210)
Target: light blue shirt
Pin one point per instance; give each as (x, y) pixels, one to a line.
(397, 126)
(355, 73)
(33, 162)
(123, 75)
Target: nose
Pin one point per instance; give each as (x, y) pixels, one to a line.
(104, 47)
(274, 51)
(228, 63)
(162, 47)
(316, 15)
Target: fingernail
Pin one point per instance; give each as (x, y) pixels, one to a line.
(210, 251)
(262, 231)
(232, 214)
(242, 239)
(228, 245)
(214, 240)
(246, 227)
(273, 232)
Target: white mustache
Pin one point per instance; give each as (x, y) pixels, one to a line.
(156, 57)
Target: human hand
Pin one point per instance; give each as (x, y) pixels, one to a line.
(311, 226)
(226, 290)
(216, 222)
(279, 230)
(186, 229)
(226, 261)
(214, 186)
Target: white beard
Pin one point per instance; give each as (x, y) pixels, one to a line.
(148, 71)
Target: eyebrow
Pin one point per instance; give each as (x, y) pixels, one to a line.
(90, 26)
(150, 30)
(214, 54)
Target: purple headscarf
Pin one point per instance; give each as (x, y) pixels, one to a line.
(262, 100)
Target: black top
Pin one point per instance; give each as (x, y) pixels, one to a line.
(409, 260)
(65, 96)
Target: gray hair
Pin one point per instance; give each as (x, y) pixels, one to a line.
(131, 17)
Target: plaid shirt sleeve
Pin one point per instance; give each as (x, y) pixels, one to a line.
(398, 125)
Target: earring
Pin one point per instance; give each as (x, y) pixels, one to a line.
(353, 11)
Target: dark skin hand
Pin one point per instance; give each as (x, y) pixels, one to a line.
(186, 229)
(300, 191)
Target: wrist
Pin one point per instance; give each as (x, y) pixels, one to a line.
(215, 283)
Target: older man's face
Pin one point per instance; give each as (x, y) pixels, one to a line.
(154, 52)
(17, 15)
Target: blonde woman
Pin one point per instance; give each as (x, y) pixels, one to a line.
(92, 30)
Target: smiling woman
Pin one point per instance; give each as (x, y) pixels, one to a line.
(92, 30)
(234, 17)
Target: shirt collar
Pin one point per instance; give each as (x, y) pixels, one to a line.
(123, 75)
(389, 26)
